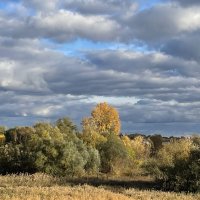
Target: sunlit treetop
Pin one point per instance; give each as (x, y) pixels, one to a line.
(106, 119)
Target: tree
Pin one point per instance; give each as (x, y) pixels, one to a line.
(57, 150)
(177, 165)
(2, 129)
(15, 155)
(90, 136)
(2, 134)
(53, 149)
(113, 155)
(67, 128)
(93, 163)
(104, 119)
(157, 141)
(138, 150)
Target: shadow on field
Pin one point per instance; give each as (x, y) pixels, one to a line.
(141, 184)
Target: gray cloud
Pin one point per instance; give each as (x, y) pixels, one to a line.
(159, 23)
(157, 63)
(188, 3)
(186, 47)
(60, 26)
(68, 24)
(110, 7)
(88, 7)
(39, 81)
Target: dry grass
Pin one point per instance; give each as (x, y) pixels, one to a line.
(42, 187)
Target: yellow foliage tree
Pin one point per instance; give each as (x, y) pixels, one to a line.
(90, 135)
(138, 150)
(106, 119)
(175, 150)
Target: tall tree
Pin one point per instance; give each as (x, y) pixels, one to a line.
(105, 119)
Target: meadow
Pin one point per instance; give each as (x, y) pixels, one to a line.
(56, 161)
(41, 186)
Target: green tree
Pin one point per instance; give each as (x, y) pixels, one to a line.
(177, 165)
(113, 155)
(67, 128)
(15, 153)
(59, 151)
(53, 149)
(93, 163)
(157, 141)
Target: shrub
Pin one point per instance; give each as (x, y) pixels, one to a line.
(46, 148)
(113, 155)
(177, 165)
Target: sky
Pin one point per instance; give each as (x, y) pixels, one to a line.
(61, 57)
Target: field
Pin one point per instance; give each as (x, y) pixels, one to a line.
(41, 187)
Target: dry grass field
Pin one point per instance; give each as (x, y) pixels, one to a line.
(42, 187)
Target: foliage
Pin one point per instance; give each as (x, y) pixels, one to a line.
(46, 148)
(104, 119)
(67, 128)
(93, 163)
(138, 150)
(59, 149)
(2, 129)
(90, 135)
(2, 134)
(177, 165)
(113, 155)
(15, 153)
(157, 143)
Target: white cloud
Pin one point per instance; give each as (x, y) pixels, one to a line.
(66, 25)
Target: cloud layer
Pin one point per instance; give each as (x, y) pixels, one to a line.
(148, 65)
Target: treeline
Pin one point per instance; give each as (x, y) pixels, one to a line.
(60, 149)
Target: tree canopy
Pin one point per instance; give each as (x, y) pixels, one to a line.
(104, 119)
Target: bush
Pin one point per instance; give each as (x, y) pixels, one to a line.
(46, 148)
(113, 155)
(177, 165)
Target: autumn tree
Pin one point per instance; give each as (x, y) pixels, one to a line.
(104, 120)
(138, 150)
(2, 134)
(90, 135)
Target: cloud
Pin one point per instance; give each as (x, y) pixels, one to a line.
(162, 22)
(28, 68)
(188, 3)
(150, 72)
(65, 23)
(186, 46)
(40, 83)
(109, 7)
(104, 73)
(157, 63)
(88, 7)
(60, 26)
(38, 5)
